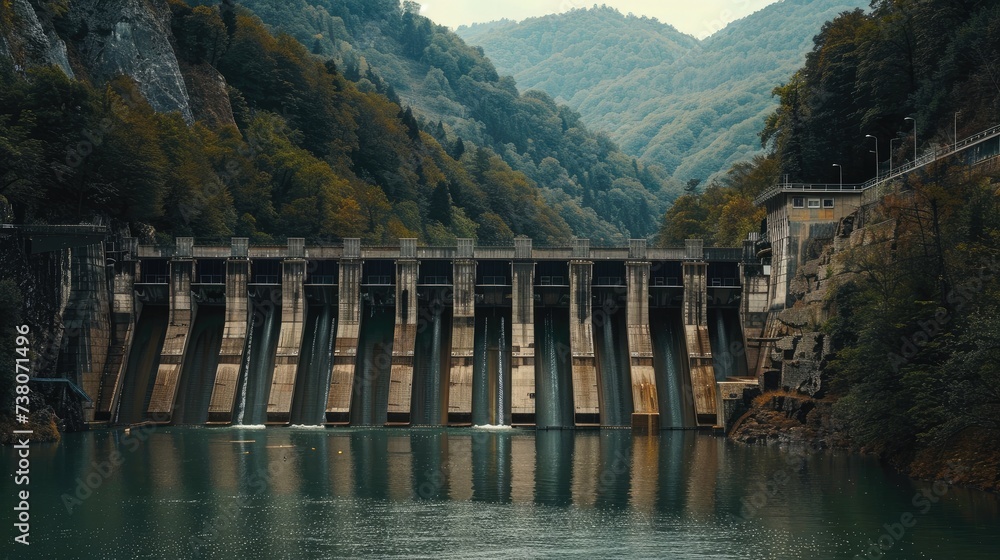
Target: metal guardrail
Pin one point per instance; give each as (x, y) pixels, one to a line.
(926, 159)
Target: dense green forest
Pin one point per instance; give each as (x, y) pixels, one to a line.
(694, 107)
(323, 146)
(458, 97)
(917, 324)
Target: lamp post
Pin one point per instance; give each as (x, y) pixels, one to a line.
(891, 153)
(876, 153)
(838, 166)
(957, 113)
(914, 138)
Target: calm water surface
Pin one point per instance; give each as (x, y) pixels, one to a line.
(428, 493)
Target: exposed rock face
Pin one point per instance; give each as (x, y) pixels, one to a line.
(209, 95)
(131, 38)
(790, 420)
(28, 44)
(802, 360)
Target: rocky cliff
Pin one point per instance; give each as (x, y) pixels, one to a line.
(796, 407)
(98, 41)
(24, 40)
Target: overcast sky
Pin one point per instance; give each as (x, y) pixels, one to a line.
(700, 18)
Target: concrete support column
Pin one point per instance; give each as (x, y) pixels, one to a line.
(640, 342)
(405, 334)
(581, 336)
(463, 334)
(293, 318)
(754, 307)
(699, 346)
(161, 404)
(523, 334)
(86, 323)
(234, 335)
(124, 310)
(338, 403)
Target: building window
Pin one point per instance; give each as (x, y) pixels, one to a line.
(798, 202)
(827, 203)
(814, 203)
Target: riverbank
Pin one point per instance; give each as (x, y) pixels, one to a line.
(970, 459)
(43, 423)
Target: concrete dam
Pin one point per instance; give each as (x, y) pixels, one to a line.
(428, 336)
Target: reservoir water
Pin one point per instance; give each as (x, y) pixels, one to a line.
(467, 493)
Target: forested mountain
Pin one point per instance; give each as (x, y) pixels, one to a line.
(694, 107)
(912, 304)
(200, 121)
(458, 97)
(916, 328)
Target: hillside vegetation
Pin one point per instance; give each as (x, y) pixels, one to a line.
(460, 99)
(694, 107)
(915, 311)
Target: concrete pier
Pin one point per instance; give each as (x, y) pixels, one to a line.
(405, 334)
(581, 336)
(463, 334)
(345, 351)
(699, 346)
(234, 334)
(293, 318)
(640, 342)
(86, 322)
(161, 404)
(124, 310)
(523, 334)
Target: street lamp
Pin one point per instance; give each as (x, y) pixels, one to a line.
(876, 153)
(957, 113)
(838, 166)
(914, 138)
(891, 153)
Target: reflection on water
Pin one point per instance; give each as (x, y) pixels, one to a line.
(239, 493)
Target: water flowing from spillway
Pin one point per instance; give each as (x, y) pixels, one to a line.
(200, 366)
(370, 401)
(143, 361)
(312, 380)
(726, 336)
(480, 372)
(553, 376)
(672, 378)
(610, 346)
(431, 363)
(241, 401)
(491, 369)
(502, 414)
(258, 369)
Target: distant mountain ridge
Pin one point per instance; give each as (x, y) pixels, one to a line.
(695, 108)
(459, 98)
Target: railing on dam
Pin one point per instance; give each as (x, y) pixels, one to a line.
(184, 248)
(976, 148)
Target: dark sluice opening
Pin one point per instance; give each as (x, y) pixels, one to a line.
(258, 362)
(200, 366)
(143, 362)
(553, 376)
(312, 380)
(370, 401)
